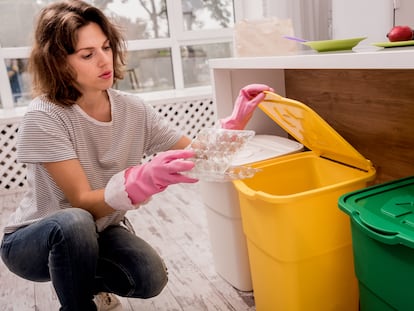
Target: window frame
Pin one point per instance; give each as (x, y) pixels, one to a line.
(178, 38)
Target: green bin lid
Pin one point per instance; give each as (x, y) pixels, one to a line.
(306, 126)
(384, 212)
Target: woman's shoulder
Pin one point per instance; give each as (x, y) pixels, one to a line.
(43, 104)
(44, 110)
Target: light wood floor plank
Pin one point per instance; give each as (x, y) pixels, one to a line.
(45, 297)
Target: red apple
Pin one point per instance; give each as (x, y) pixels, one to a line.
(400, 33)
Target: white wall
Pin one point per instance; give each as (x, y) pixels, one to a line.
(310, 18)
(324, 19)
(404, 12)
(356, 18)
(278, 8)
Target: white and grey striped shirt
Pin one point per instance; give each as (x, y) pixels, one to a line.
(51, 133)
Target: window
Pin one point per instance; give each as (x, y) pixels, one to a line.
(148, 70)
(18, 79)
(201, 14)
(169, 42)
(194, 61)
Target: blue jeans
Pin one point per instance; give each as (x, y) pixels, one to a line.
(66, 249)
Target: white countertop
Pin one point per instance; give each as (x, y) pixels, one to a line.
(373, 58)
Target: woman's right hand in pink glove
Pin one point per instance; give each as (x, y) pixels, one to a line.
(135, 185)
(142, 181)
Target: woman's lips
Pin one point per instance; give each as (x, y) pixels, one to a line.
(106, 75)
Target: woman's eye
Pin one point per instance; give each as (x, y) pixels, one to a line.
(107, 48)
(87, 56)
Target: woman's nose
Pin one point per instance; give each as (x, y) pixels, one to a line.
(104, 58)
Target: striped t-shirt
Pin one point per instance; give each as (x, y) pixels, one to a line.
(51, 133)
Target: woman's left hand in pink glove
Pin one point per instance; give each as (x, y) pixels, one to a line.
(248, 99)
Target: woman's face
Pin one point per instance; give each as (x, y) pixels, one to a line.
(92, 60)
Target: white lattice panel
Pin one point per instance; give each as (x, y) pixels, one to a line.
(13, 174)
(188, 116)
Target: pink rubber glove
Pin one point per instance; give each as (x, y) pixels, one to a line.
(249, 97)
(129, 188)
(142, 181)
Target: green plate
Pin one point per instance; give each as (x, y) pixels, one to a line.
(334, 45)
(394, 44)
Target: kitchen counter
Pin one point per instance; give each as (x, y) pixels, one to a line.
(366, 96)
(367, 58)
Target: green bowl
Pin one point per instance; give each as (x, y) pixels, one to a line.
(334, 45)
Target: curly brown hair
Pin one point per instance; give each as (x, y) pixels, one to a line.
(55, 38)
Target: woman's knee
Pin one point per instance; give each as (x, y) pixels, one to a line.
(143, 274)
(75, 224)
(75, 219)
(69, 233)
(154, 278)
(158, 280)
(129, 266)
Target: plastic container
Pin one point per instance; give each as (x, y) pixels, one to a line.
(382, 226)
(299, 242)
(228, 242)
(215, 149)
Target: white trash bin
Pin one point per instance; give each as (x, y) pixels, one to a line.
(228, 243)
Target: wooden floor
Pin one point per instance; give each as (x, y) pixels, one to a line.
(174, 223)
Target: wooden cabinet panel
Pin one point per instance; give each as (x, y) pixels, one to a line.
(372, 109)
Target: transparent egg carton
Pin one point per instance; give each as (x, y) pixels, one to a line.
(214, 151)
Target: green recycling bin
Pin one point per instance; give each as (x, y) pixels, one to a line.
(382, 228)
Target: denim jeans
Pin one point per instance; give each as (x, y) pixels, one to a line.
(66, 249)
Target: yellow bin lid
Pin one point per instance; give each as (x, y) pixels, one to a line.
(306, 126)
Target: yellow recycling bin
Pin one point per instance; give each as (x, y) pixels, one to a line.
(299, 242)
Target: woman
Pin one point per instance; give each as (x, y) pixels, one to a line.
(83, 143)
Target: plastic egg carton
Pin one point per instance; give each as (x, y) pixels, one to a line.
(215, 149)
